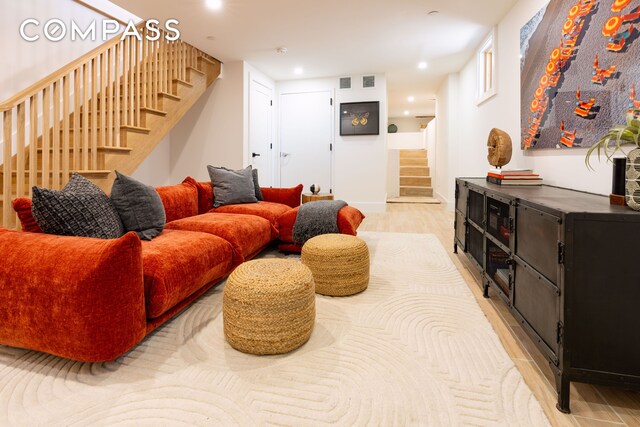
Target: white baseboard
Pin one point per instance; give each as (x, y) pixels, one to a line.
(369, 207)
(449, 206)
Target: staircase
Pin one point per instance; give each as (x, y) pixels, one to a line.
(105, 111)
(415, 180)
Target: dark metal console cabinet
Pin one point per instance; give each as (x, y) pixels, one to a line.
(567, 264)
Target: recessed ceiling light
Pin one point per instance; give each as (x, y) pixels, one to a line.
(211, 38)
(411, 98)
(282, 50)
(406, 112)
(433, 12)
(298, 71)
(214, 4)
(422, 65)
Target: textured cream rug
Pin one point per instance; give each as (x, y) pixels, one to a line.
(413, 349)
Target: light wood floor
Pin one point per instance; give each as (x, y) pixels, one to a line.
(590, 405)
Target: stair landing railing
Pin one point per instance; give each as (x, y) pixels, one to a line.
(56, 126)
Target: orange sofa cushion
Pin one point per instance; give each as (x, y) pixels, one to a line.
(22, 206)
(74, 297)
(205, 194)
(349, 219)
(246, 233)
(178, 263)
(267, 210)
(285, 196)
(180, 201)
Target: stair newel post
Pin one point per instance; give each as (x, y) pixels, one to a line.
(77, 111)
(46, 134)
(116, 98)
(7, 173)
(20, 150)
(55, 150)
(33, 142)
(85, 117)
(103, 99)
(65, 128)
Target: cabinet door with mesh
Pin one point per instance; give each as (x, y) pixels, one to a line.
(537, 240)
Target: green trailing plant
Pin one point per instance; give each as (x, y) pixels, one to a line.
(617, 137)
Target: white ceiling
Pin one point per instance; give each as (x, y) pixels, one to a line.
(336, 37)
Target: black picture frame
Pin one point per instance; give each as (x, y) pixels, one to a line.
(367, 115)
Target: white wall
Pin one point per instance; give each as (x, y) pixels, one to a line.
(447, 147)
(23, 63)
(431, 141)
(464, 130)
(393, 173)
(406, 141)
(213, 131)
(359, 162)
(154, 170)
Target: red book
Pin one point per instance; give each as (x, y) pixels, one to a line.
(523, 176)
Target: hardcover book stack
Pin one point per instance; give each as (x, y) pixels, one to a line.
(514, 177)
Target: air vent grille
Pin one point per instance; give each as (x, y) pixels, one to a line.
(345, 82)
(368, 81)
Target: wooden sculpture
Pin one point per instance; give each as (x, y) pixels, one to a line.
(500, 147)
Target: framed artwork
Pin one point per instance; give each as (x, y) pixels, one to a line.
(360, 118)
(579, 69)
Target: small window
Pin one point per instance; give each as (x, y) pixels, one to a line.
(486, 69)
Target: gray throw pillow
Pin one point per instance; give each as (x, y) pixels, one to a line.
(81, 208)
(232, 187)
(139, 206)
(256, 184)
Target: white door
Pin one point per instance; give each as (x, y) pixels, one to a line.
(306, 138)
(260, 119)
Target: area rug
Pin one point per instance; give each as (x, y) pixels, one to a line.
(413, 349)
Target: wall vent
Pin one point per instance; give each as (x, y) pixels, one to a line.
(368, 81)
(345, 82)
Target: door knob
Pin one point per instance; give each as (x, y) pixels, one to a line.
(285, 154)
(255, 155)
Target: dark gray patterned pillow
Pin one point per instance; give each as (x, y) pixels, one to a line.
(80, 209)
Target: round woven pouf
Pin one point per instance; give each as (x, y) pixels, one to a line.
(339, 263)
(269, 306)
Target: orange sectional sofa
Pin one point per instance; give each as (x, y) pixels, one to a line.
(93, 300)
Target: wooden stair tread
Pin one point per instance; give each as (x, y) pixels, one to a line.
(130, 128)
(100, 148)
(196, 70)
(142, 110)
(170, 96)
(204, 58)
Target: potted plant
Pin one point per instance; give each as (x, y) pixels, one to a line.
(617, 136)
(612, 143)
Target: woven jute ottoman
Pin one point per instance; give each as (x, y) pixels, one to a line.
(269, 306)
(339, 263)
